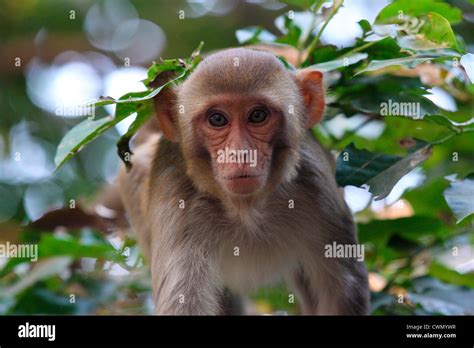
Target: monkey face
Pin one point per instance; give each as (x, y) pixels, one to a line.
(238, 135)
(239, 119)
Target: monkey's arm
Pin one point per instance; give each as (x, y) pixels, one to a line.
(184, 281)
(182, 266)
(182, 258)
(329, 285)
(133, 188)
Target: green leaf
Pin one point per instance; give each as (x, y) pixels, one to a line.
(39, 299)
(428, 199)
(407, 103)
(439, 120)
(467, 62)
(177, 65)
(390, 14)
(339, 63)
(165, 65)
(432, 31)
(130, 103)
(325, 54)
(291, 30)
(408, 62)
(80, 135)
(413, 228)
(460, 198)
(135, 97)
(89, 129)
(356, 167)
(102, 101)
(123, 144)
(379, 171)
(447, 275)
(287, 65)
(75, 248)
(382, 184)
(383, 49)
(365, 26)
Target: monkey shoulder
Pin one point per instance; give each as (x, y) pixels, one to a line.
(315, 176)
(315, 189)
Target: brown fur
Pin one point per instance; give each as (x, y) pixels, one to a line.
(191, 250)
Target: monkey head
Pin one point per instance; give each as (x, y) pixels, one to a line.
(239, 120)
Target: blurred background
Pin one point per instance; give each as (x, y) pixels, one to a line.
(55, 55)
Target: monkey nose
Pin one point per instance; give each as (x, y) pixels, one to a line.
(242, 165)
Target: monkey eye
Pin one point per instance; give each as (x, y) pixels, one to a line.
(217, 120)
(258, 116)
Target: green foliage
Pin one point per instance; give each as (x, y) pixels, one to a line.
(408, 62)
(340, 62)
(380, 172)
(134, 103)
(428, 296)
(415, 229)
(377, 69)
(396, 59)
(434, 32)
(81, 135)
(47, 284)
(441, 272)
(392, 12)
(421, 25)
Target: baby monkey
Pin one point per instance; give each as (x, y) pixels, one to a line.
(234, 193)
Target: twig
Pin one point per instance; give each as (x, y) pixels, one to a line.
(315, 41)
(312, 27)
(357, 49)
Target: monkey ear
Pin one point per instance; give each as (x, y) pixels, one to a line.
(311, 85)
(164, 110)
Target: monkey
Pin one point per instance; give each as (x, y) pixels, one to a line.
(211, 226)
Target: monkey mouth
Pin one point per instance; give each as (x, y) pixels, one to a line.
(243, 184)
(241, 176)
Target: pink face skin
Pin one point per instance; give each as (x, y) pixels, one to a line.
(239, 123)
